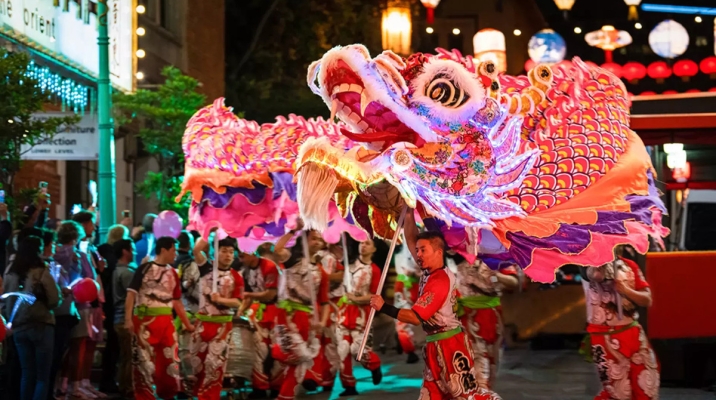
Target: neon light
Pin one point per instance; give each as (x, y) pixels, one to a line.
(664, 8)
(72, 94)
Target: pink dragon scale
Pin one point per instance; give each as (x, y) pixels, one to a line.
(542, 170)
(241, 175)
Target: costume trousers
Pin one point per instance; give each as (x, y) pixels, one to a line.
(209, 351)
(626, 363)
(296, 347)
(353, 318)
(449, 372)
(263, 318)
(405, 336)
(330, 361)
(485, 331)
(155, 358)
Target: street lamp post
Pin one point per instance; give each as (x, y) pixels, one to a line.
(107, 175)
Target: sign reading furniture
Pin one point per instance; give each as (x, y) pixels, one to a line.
(66, 30)
(76, 142)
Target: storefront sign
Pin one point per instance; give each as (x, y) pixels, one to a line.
(67, 30)
(76, 142)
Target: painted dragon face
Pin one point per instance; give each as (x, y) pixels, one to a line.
(436, 128)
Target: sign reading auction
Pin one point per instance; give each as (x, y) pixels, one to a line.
(71, 142)
(68, 29)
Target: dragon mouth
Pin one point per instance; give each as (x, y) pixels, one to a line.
(368, 95)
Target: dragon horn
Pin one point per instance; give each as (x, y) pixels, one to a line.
(524, 102)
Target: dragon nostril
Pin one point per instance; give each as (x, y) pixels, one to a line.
(495, 86)
(544, 73)
(490, 68)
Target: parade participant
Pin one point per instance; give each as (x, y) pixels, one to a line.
(151, 296)
(261, 277)
(480, 313)
(449, 371)
(209, 347)
(329, 259)
(406, 292)
(188, 272)
(297, 332)
(626, 363)
(361, 282)
(316, 244)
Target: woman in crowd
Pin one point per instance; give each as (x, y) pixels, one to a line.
(32, 324)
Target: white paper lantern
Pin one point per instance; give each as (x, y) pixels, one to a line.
(676, 159)
(669, 39)
(673, 147)
(489, 45)
(397, 29)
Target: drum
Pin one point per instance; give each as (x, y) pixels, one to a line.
(241, 350)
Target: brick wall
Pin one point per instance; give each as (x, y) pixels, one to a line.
(34, 172)
(205, 45)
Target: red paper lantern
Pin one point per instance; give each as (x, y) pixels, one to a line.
(685, 69)
(708, 66)
(713, 89)
(693, 91)
(633, 71)
(648, 93)
(614, 68)
(658, 70)
(430, 6)
(682, 175)
(670, 92)
(529, 64)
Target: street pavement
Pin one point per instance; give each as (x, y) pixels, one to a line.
(524, 375)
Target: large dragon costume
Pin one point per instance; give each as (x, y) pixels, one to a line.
(542, 170)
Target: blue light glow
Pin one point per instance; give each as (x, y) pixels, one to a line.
(664, 8)
(71, 93)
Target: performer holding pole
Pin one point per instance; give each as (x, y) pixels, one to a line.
(449, 371)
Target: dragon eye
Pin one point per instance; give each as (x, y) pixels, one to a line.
(446, 92)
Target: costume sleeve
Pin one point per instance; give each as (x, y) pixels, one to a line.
(270, 271)
(238, 285)
(640, 282)
(176, 293)
(322, 295)
(435, 292)
(206, 268)
(375, 279)
(137, 279)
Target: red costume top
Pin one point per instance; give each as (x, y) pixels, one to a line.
(156, 285)
(601, 295)
(263, 277)
(331, 265)
(437, 302)
(230, 286)
(362, 279)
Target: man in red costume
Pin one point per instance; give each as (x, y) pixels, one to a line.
(297, 343)
(480, 312)
(261, 276)
(156, 290)
(361, 282)
(209, 346)
(627, 365)
(449, 372)
(406, 293)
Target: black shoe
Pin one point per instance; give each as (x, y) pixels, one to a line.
(257, 394)
(398, 347)
(377, 376)
(327, 389)
(310, 385)
(350, 391)
(412, 358)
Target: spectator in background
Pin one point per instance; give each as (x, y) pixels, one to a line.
(110, 355)
(53, 224)
(124, 252)
(5, 235)
(33, 325)
(146, 246)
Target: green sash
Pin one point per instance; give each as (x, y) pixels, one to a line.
(218, 319)
(144, 311)
(476, 303)
(408, 281)
(291, 306)
(443, 335)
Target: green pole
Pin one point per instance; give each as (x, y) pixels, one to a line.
(107, 175)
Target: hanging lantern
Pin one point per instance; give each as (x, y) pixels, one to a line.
(430, 6)
(614, 68)
(683, 174)
(547, 47)
(633, 4)
(670, 92)
(708, 66)
(658, 70)
(397, 29)
(685, 69)
(633, 71)
(564, 5)
(489, 45)
(669, 39)
(676, 159)
(608, 39)
(648, 93)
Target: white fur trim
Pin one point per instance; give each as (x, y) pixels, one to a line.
(461, 78)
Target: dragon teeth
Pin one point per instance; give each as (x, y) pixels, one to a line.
(365, 100)
(334, 109)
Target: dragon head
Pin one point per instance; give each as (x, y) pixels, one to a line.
(435, 129)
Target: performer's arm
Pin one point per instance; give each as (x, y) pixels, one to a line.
(283, 241)
(325, 314)
(224, 301)
(509, 281)
(410, 230)
(245, 304)
(407, 316)
(199, 248)
(129, 311)
(641, 298)
(263, 297)
(181, 313)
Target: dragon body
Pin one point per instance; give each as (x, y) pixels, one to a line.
(542, 170)
(241, 174)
